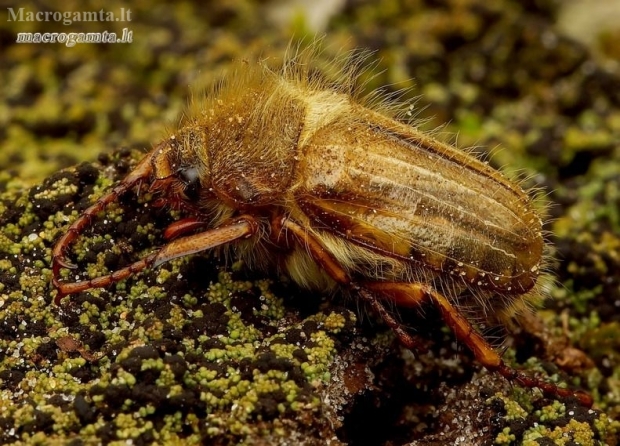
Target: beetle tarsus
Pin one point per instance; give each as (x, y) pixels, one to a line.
(61, 262)
(143, 170)
(548, 389)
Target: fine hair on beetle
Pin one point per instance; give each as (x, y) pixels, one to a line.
(293, 170)
(307, 70)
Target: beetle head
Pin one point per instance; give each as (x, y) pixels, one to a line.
(179, 176)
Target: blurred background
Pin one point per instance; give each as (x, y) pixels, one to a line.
(471, 63)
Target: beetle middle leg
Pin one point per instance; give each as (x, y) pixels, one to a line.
(415, 294)
(338, 274)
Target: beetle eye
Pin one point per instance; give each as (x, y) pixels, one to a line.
(191, 179)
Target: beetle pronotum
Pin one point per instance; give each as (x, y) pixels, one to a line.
(300, 175)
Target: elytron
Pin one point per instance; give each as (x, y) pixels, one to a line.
(299, 174)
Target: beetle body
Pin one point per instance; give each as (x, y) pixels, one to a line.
(388, 202)
(296, 173)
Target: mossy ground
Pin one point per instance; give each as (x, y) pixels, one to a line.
(198, 351)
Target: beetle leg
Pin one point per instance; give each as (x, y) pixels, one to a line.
(141, 172)
(415, 293)
(336, 272)
(316, 249)
(239, 228)
(178, 228)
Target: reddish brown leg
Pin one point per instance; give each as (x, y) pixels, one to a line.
(242, 227)
(414, 294)
(140, 173)
(465, 332)
(178, 228)
(336, 272)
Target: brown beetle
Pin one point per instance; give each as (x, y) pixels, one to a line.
(297, 174)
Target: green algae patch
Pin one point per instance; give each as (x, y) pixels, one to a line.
(553, 423)
(191, 350)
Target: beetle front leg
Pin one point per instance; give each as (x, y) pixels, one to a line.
(142, 172)
(242, 227)
(178, 228)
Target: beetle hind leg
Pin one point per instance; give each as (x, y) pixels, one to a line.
(415, 293)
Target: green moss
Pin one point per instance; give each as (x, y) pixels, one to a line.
(126, 326)
(505, 437)
(554, 422)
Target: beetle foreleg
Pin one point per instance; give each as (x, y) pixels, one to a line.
(178, 228)
(241, 227)
(141, 172)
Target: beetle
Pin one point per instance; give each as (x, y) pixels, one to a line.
(302, 175)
